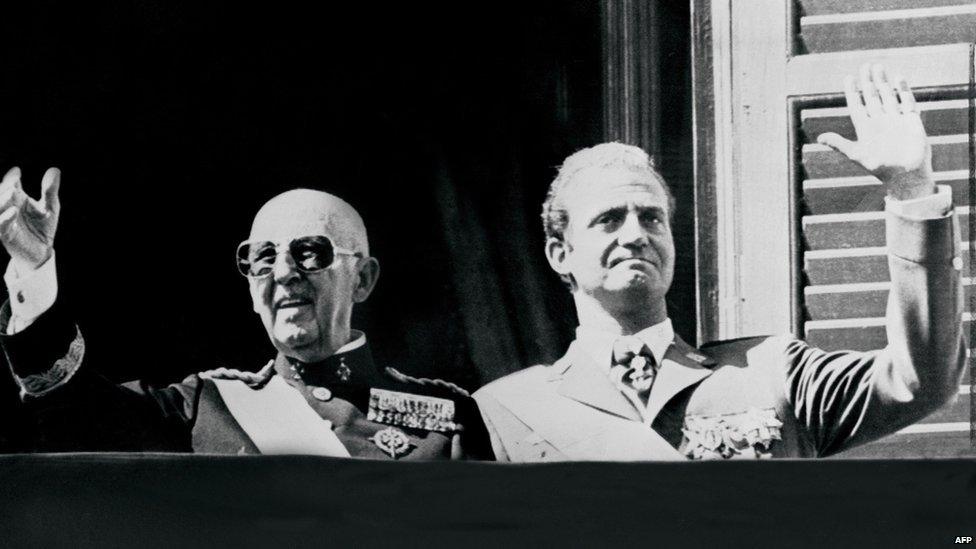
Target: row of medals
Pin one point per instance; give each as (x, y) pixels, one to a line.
(390, 440)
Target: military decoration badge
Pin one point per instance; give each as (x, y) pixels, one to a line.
(747, 434)
(392, 441)
(411, 411)
(343, 372)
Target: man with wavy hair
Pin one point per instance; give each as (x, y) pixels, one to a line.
(628, 388)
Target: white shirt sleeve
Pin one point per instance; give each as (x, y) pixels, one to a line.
(927, 207)
(32, 292)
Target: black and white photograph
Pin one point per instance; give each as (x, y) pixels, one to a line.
(566, 272)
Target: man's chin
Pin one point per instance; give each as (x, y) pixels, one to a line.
(294, 337)
(630, 289)
(632, 280)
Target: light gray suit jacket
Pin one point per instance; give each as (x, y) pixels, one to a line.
(755, 397)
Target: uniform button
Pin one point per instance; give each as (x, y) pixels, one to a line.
(321, 393)
(957, 263)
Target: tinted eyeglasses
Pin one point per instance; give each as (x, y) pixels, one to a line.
(256, 258)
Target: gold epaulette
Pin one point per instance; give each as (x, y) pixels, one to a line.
(254, 380)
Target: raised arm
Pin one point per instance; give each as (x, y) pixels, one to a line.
(64, 404)
(847, 398)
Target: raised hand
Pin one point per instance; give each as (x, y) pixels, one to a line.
(27, 226)
(891, 141)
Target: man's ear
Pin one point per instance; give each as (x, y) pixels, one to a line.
(369, 273)
(557, 252)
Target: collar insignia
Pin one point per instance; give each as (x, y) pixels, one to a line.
(700, 358)
(412, 411)
(343, 370)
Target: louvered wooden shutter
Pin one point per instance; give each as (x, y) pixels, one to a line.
(841, 230)
(839, 274)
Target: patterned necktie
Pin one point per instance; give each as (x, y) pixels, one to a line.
(634, 366)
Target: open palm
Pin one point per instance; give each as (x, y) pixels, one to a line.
(28, 226)
(891, 141)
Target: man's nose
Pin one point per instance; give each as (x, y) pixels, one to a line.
(285, 270)
(631, 232)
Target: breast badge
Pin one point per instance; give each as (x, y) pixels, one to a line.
(747, 434)
(392, 441)
(412, 411)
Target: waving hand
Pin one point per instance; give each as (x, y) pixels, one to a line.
(27, 226)
(891, 141)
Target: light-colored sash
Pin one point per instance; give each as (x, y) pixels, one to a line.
(279, 420)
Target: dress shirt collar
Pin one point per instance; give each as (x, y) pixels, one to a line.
(599, 344)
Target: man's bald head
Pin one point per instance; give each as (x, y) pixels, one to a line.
(307, 313)
(303, 212)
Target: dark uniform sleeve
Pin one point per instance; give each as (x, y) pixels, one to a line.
(474, 439)
(844, 399)
(13, 421)
(68, 407)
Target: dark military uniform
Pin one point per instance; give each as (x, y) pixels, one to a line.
(374, 412)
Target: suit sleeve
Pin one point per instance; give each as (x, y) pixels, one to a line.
(846, 398)
(490, 409)
(68, 406)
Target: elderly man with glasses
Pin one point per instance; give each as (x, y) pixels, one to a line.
(307, 264)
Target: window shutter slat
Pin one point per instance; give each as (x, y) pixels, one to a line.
(832, 303)
(866, 232)
(827, 7)
(832, 196)
(870, 266)
(949, 153)
(928, 66)
(846, 233)
(939, 117)
(866, 337)
(856, 230)
(888, 29)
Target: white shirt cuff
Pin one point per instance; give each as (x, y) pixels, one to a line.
(32, 292)
(932, 206)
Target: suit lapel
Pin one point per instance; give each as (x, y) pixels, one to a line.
(683, 366)
(583, 382)
(612, 429)
(584, 416)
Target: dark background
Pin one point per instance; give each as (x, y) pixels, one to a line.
(173, 122)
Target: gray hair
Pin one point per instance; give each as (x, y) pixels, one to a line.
(555, 217)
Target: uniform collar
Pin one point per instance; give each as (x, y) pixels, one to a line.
(352, 364)
(599, 344)
(582, 379)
